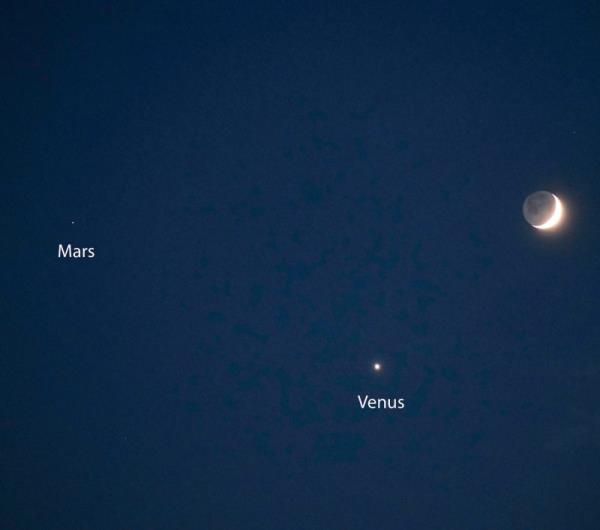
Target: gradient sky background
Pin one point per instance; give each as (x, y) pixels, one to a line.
(280, 194)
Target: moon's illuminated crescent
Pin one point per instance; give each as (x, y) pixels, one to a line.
(555, 218)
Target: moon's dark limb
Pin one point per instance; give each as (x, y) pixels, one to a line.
(539, 207)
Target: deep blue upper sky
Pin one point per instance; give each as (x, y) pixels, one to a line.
(280, 194)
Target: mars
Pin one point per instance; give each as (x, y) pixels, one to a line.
(75, 252)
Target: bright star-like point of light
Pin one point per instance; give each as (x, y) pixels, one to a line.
(376, 367)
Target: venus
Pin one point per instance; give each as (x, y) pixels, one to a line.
(543, 210)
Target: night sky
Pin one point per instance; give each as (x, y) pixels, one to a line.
(280, 195)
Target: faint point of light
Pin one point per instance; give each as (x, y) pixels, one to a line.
(555, 218)
(376, 367)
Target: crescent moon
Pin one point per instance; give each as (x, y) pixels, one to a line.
(555, 218)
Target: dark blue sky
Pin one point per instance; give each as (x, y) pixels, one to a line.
(280, 194)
